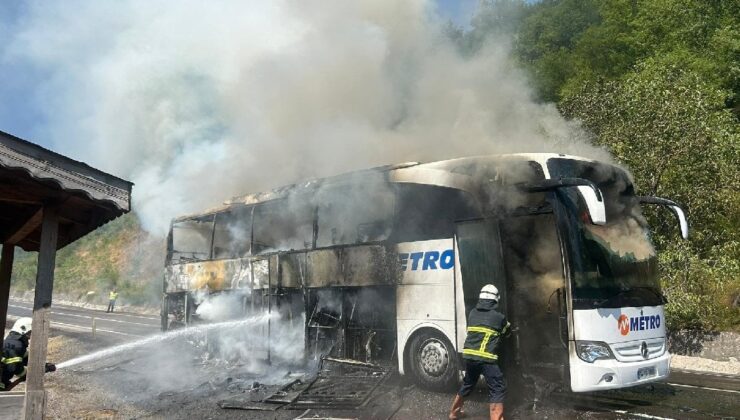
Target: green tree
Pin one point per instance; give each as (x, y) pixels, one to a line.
(672, 130)
(657, 82)
(547, 37)
(565, 43)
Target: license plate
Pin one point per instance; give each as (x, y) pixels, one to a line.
(644, 373)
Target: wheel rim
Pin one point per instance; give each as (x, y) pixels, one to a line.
(433, 357)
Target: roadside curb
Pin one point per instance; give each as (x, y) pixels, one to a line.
(705, 379)
(124, 309)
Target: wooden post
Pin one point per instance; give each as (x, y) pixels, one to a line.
(6, 269)
(35, 395)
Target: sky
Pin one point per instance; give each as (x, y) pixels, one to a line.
(23, 105)
(20, 111)
(207, 100)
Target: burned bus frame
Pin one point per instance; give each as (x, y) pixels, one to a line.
(356, 298)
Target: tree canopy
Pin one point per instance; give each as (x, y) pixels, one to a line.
(656, 82)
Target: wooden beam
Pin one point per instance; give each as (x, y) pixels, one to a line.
(24, 230)
(20, 201)
(15, 192)
(6, 269)
(35, 395)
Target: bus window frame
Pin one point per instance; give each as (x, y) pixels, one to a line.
(563, 228)
(251, 233)
(171, 239)
(321, 207)
(273, 250)
(397, 234)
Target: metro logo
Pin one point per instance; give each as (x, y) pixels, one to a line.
(624, 324)
(429, 260)
(637, 323)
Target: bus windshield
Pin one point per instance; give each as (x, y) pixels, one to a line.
(617, 265)
(614, 265)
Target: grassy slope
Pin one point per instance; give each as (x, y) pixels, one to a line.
(119, 254)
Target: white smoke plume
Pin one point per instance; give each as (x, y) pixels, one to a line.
(218, 307)
(198, 101)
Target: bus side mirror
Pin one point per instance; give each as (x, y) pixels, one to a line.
(675, 208)
(596, 208)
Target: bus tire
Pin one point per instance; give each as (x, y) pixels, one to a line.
(433, 362)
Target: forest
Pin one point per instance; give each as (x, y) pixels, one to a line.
(657, 83)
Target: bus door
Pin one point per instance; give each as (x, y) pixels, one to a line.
(480, 260)
(536, 292)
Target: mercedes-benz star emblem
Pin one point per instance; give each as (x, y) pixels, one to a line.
(644, 350)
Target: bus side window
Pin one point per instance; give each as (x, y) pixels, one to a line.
(283, 225)
(354, 214)
(191, 240)
(426, 212)
(233, 233)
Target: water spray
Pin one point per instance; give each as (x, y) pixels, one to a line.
(158, 338)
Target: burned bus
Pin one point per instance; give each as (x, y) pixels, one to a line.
(383, 265)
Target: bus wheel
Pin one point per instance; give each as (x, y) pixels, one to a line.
(433, 361)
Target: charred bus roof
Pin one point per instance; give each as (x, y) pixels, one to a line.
(459, 173)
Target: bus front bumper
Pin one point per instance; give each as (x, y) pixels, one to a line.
(611, 374)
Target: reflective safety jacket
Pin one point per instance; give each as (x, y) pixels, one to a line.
(112, 296)
(486, 326)
(15, 357)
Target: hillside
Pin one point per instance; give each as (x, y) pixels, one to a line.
(120, 254)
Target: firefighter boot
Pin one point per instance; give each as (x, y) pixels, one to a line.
(456, 411)
(497, 411)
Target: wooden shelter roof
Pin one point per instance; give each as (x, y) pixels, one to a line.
(32, 177)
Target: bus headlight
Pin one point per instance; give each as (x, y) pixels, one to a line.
(589, 351)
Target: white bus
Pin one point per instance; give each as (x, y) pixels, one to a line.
(384, 265)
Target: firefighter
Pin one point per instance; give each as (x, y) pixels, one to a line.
(15, 354)
(486, 327)
(112, 296)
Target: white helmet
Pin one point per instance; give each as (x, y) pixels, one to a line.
(490, 292)
(22, 325)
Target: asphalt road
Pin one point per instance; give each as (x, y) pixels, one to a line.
(686, 395)
(120, 325)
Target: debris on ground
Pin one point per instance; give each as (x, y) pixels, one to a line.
(308, 415)
(341, 384)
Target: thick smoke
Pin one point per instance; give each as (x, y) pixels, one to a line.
(198, 101)
(627, 238)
